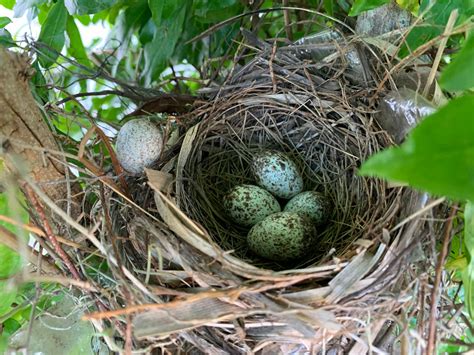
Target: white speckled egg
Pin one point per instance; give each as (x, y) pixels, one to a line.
(277, 173)
(312, 204)
(282, 236)
(249, 204)
(139, 144)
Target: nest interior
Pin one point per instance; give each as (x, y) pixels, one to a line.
(315, 114)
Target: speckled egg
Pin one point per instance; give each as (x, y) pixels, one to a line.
(281, 236)
(277, 173)
(311, 204)
(249, 204)
(139, 144)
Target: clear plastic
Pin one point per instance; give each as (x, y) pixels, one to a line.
(400, 111)
(321, 45)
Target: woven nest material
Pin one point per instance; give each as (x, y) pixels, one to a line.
(218, 297)
(320, 120)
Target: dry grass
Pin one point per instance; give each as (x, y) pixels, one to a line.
(179, 274)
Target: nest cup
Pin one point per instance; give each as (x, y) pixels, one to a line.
(316, 116)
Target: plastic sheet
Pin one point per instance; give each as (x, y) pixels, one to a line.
(400, 111)
(60, 330)
(325, 43)
(382, 20)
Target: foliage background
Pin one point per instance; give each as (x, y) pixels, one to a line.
(155, 44)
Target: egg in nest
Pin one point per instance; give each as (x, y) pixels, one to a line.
(277, 173)
(249, 204)
(311, 204)
(282, 236)
(139, 144)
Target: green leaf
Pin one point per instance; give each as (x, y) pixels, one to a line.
(52, 34)
(147, 32)
(9, 4)
(468, 276)
(438, 155)
(22, 5)
(10, 262)
(435, 15)
(6, 39)
(7, 296)
(409, 5)
(130, 20)
(459, 74)
(159, 51)
(83, 19)
(418, 36)
(329, 7)
(38, 85)
(83, 7)
(156, 8)
(4, 21)
(365, 5)
(76, 47)
(208, 11)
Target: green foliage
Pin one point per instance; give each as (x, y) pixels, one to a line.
(435, 15)
(4, 21)
(208, 11)
(6, 39)
(360, 6)
(130, 20)
(329, 7)
(76, 47)
(468, 275)
(9, 4)
(459, 74)
(10, 260)
(83, 7)
(157, 52)
(438, 155)
(52, 34)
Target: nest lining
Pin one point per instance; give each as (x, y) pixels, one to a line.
(327, 129)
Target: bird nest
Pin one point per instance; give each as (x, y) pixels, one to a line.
(327, 129)
(217, 296)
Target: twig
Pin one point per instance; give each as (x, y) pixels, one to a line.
(270, 66)
(419, 51)
(83, 285)
(286, 16)
(38, 231)
(84, 94)
(434, 293)
(33, 306)
(439, 54)
(49, 233)
(128, 335)
(418, 213)
(264, 11)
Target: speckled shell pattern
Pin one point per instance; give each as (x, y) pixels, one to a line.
(249, 204)
(277, 173)
(312, 204)
(282, 236)
(139, 144)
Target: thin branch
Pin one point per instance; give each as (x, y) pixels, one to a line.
(49, 233)
(96, 93)
(439, 54)
(439, 270)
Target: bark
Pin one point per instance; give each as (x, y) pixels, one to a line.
(25, 136)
